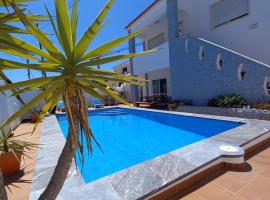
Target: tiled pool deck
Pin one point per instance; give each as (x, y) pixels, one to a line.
(151, 176)
(251, 183)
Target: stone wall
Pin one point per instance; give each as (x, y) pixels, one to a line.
(230, 112)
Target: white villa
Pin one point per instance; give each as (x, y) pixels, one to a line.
(206, 48)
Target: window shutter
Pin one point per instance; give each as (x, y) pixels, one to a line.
(227, 10)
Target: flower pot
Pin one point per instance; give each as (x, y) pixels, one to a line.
(173, 106)
(53, 110)
(34, 117)
(9, 164)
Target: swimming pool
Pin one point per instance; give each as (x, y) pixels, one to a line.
(130, 136)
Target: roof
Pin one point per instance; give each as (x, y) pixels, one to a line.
(142, 13)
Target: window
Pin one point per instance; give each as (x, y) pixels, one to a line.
(158, 40)
(141, 92)
(241, 72)
(266, 85)
(159, 87)
(219, 62)
(124, 70)
(155, 84)
(225, 11)
(163, 86)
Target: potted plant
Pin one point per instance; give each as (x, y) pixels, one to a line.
(11, 152)
(173, 105)
(35, 114)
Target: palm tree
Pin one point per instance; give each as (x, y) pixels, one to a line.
(76, 75)
(5, 19)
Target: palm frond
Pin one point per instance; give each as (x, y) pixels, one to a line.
(101, 61)
(15, 42)
(51, 102)
(22, 84)
(4, 3)
(17, 52)
(92, 31)
(106, 48)
(74, 21)
(8, 81)
(11, 65)
(38, 34)
(30, 104)
(64, 27)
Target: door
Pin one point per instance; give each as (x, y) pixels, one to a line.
(159, 87)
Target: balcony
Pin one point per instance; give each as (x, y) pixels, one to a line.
(152, 61)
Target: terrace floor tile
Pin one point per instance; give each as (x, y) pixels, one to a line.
(252, 184)
(18, 187)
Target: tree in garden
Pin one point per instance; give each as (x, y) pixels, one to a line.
(74, 66)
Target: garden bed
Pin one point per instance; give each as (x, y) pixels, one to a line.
(230, 112)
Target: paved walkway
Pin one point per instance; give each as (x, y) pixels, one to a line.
(19, 186)
(254, 184)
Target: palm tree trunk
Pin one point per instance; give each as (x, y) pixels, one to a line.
(3, 194)
(65, 160)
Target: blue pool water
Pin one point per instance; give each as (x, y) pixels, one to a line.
(129, 137)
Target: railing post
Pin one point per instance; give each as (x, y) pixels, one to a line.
(173, 35)
(172, 16)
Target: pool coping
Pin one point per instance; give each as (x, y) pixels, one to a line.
(144, 179)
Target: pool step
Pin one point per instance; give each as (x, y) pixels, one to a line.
(113, 112)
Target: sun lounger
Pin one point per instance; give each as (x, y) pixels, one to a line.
(61, 106)
(96, 103)
(153, 102)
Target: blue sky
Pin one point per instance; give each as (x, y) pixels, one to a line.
(120, 15)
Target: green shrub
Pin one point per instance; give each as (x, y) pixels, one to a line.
(234, 101)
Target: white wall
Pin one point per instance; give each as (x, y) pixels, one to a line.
(152, 61)
(235, 35)
(160, 74)
(155, 75)
(9, 105)
(150, 17)
(119, 68)
(28, 96)
(154, 30)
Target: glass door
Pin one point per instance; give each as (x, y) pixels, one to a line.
(159, 87)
